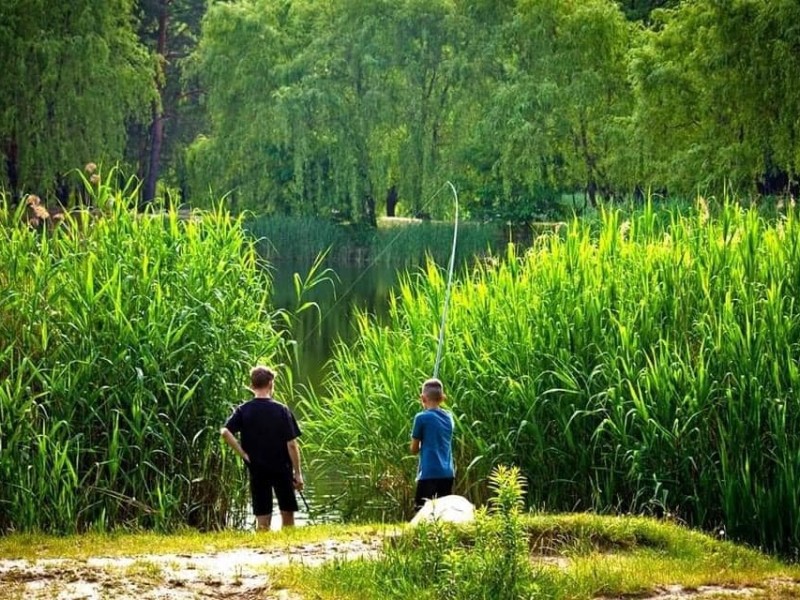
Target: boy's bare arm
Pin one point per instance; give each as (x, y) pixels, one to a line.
(231, 440)
(414, 446)
(294, 455)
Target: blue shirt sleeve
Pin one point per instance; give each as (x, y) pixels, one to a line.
(417, 429)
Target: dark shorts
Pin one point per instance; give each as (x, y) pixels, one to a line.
(262, 482)
(432, 488)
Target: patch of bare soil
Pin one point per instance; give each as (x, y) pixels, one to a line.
(240, 574)
(777, 589)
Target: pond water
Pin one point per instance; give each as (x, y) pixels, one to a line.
(351, 288)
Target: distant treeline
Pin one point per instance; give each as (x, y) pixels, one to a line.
(350, 109)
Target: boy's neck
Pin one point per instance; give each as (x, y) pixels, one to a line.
(262, 392)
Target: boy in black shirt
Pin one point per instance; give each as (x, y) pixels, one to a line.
(269, 447)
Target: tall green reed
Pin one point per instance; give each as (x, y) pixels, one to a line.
(126, 340)
(648, 365)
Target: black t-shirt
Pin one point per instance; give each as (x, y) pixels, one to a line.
(265, 427)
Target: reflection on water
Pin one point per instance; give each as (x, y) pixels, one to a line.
(353, 287)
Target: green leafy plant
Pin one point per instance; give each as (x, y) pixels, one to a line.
(643, 364)
(126, 341)
(498, 564)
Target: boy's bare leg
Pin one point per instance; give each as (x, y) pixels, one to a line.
(263, 522)
(287, 518)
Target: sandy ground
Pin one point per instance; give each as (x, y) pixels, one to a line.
(243, 574)
(233, 574)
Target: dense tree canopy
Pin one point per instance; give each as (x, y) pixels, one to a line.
(716, 98)
(74, 76)
(355, 108)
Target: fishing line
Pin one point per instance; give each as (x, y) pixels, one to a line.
(375, 260)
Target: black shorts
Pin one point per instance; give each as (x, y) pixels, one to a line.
(262, 482)
(432, 488)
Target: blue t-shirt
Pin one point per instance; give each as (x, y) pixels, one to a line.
(434, 429)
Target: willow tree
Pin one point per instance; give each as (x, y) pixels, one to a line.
(240, 61)
(564, 98)
(717, 103)
(431, 44)
(74, 76)
(339, 105)
(324, 108)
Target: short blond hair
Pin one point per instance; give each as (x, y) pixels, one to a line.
(261, 376)
(433, 389)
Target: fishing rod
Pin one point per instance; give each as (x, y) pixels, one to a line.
(303, 497)
(440, 346)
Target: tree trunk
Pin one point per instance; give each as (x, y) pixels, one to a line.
(12, 168)
(591, 193)
(157, 126)
(391, 201)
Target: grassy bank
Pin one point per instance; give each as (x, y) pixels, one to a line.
(505, 554)
(126, 340)
(647, 365)
(570, 557)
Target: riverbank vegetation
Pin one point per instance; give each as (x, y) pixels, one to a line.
(126, 341)
(644, 367)
(402, 243)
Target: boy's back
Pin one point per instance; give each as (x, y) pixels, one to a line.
(434, 428)
(265, 427)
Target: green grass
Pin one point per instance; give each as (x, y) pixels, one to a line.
(601, 556)
(402, 243)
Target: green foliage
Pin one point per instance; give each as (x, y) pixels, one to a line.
(342, 103)
(74, 76)
(126, 342)
(563, 101)
(497, 566)
(335, 111)
(640, 366)
(714, 103)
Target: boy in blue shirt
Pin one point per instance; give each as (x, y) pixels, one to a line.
(432, 438)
